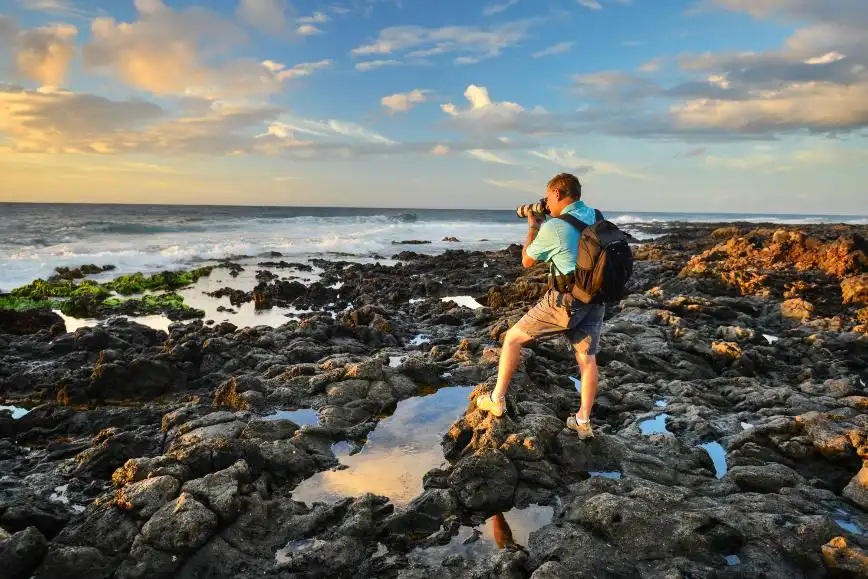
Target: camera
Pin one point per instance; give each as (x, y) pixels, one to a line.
(539, 208)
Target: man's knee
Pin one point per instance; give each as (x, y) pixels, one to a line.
(516, 336)
(586, 361)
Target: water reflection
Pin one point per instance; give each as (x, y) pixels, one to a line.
(511, 529)
(402, 448)
(718, 457)
(656, 425)
(302, 417)
(17, 411)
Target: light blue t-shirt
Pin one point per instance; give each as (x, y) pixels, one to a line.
(557, 241)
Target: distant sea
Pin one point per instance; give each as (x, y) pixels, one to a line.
(36, 238)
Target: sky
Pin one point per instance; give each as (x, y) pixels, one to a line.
(756, 106)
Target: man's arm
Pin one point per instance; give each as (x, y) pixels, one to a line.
(526, 260)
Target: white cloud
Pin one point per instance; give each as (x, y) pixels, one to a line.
(490, 157)
(592, 4)
(439, 150)
(403, 102)
(374, 64)
(40, 54)
(492, 9)
(652, 65)
(268, 16)
(299, 70)
(64, 8)
(472, 43)
(317, 18)
(178, 53)
(525, 186)
(486, 117)
(569, 159)
(307, 30)
(558, 48)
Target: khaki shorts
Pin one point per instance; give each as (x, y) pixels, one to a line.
(560, 314)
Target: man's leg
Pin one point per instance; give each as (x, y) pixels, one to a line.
(510, 353)
(586, 343)
(588, 368)
(513, 341)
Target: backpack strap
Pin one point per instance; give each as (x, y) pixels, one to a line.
(598, 215)
(574, 221)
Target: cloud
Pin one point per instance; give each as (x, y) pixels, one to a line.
(816, 82)
(592, 4)
(486, 117)
(439, 150)
(490, 157)
(317, 17)
(582, 166)
(53, 120)
(307, 30)
(558, 48)
(695, 152)
(403, 102)
(374, 64)
(472, 43)
(652, 65)
(525, 186)
(172, 53)
(269, 16)
(63, 8)
(39, 54)
(492, 9)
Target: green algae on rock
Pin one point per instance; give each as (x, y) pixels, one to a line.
(164, 280)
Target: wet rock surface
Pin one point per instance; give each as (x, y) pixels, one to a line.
(165, 454)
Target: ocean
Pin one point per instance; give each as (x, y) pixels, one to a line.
(36, 238)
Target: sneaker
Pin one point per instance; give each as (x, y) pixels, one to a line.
(487, 403)
(583, 429)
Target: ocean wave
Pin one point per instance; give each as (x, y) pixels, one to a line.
(633, 219)
(126, 228)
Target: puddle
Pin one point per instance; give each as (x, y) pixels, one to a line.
(498, 532)
(607, 474)
(17, 411)
(466, 301)
(302, 417)
(400, 450)
(656, 425)
(847, 521)
(662, 403)
(718, 456)
(395, 361)
(156, 321)
(746, 425)
(246, 314)
(732, 560)
(771, 339)
(577, 382)
(420, 339)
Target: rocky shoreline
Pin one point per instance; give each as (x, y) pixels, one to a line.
(731, 424)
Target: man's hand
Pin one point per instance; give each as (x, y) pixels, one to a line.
(534, 220)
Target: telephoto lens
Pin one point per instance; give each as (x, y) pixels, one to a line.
(539, 208)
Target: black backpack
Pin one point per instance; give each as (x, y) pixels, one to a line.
(604, 263)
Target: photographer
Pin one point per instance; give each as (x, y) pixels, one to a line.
(556, 242)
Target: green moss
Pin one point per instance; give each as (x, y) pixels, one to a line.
(40, 289)
(90, 299)
(164, 280)
(21, 304)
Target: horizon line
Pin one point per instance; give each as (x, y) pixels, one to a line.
(814, 214)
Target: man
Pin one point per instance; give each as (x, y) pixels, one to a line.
(555, 241)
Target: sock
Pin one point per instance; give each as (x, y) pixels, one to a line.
(491, 397)
(581, 421)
